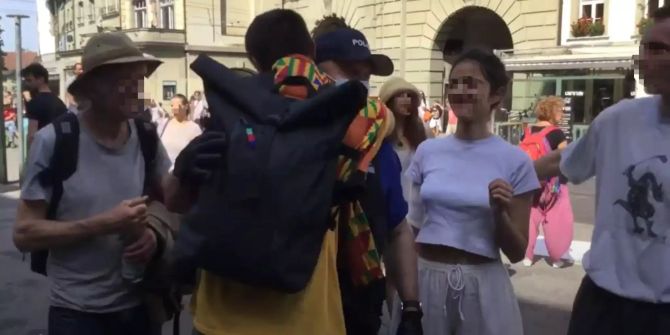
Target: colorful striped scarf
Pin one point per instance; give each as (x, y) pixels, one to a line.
(365, 135)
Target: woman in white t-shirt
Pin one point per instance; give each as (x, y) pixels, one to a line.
(178, 131)
(475, 192)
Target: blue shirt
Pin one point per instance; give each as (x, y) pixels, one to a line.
(390, 172)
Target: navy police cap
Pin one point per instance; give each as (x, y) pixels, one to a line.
(347, 44)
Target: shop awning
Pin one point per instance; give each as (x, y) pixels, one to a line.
(569, 62)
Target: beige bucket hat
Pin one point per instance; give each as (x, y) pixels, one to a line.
(393, 86)
(110, 48)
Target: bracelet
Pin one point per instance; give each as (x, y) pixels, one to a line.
(411, 306)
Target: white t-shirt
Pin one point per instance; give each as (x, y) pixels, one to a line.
(199, 108)
(405, 155)
(177, 135)
(454, 177)
(627, 148)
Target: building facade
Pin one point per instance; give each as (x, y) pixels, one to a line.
(9, 72)
(175, 31)
(594, 63)
(419, 35)
(583, 49)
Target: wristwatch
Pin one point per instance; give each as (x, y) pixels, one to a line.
(411, 306)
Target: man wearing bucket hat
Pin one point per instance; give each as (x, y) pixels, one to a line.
(343, 53)
(94, 222)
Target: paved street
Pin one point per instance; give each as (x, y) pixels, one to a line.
(545, 294)
(23, 294)
(583, 201)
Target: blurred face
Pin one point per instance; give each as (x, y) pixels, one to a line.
(7, 98)
(119, 90)
(404, 104)
(196, 95)
(78, 69)
(558, 115)
(435, 113)
(32, 83)
(655, 58)
(470, 93)
(178, 108)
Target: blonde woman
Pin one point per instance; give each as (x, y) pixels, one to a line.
(551, 208)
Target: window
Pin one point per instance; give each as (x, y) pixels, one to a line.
(91, 11)
(109, 6)
(224, 20)
(112, 6)
(654, 5)
(69, 20)
(594, 9)
(80, 13)
(169, 90)
(167, 14)
(140, 8)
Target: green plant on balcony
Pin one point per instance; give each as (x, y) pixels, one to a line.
(643, 25)
(597, 28)
(581, 27)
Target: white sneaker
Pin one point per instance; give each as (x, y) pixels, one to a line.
(558, 265)
(527, 262)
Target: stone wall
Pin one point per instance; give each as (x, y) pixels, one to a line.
(412, 32)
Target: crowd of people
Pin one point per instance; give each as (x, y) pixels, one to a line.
(117, 193)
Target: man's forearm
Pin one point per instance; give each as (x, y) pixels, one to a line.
(402, 263)
(178, 198)
(549, 165)
(36, 234)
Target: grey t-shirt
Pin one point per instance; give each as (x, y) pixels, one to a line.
(86, 276)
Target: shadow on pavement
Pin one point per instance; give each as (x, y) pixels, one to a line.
(540, 319)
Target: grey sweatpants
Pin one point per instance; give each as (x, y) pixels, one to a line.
(465, 300)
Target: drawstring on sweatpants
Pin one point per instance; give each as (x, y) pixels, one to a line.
(456, 289)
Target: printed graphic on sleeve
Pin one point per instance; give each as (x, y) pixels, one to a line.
(644, 192)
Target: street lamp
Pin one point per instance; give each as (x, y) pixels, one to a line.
(19, 96)
(3, 138)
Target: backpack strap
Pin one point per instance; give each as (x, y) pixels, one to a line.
(546, 130)
(63, 162)
(62, 165)
(148, 138)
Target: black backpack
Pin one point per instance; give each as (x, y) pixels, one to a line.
(262, 217)
(63, 164)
